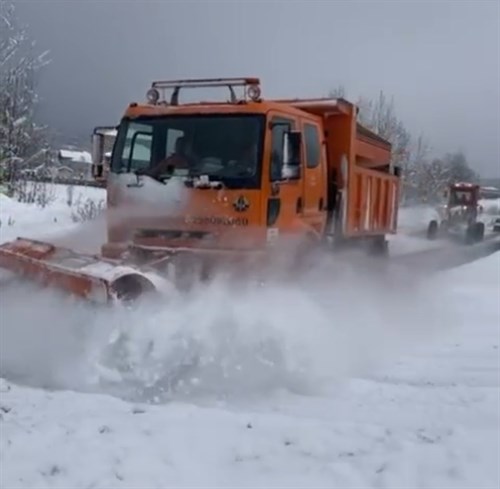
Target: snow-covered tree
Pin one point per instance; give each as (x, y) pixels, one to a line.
(423, 178)
(380, 116)
(21, 138)
(419, 158)
(338, 92)
(432, 177)
(459, 168)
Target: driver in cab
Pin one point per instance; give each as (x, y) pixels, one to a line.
(180, 159)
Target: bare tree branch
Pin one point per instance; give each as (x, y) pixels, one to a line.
(20, 136)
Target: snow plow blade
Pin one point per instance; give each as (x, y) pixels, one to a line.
(85, 276)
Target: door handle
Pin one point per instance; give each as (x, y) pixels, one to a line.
(299, 206)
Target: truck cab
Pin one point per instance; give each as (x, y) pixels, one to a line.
(463, 194)
(460, 214)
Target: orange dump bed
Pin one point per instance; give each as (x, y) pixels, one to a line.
(359, 162)
(372, 202)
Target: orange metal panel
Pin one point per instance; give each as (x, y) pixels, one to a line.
(371, 155)
(371, 202)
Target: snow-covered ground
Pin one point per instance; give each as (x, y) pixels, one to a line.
(415, 219)
(57, 219)
(356, 381)
(413, 222)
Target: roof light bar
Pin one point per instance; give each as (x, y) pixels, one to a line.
(205, 82)
(253, 90)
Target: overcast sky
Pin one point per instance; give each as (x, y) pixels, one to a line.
(439, 59)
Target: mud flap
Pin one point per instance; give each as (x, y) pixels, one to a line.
(85, 276)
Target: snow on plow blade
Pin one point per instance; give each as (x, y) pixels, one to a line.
(86, 276)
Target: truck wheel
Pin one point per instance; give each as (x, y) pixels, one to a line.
(432, 229)
(474, 233)
(470, 234)
(379, 246)
(479, 231)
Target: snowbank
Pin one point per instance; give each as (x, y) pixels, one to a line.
(415, 218)
(54, 220)
(491, 206)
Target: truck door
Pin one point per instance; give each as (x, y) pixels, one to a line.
(286, 202)
(314, 180)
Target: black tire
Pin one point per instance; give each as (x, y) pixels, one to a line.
(379, 247)
(479, 231)
(432, 230)
(474, 233)
(470, 234)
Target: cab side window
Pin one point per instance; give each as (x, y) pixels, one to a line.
(280, 126)
(313, 145)
(141, 150)
(172, 136)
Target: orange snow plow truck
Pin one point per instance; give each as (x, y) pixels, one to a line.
(200, 186)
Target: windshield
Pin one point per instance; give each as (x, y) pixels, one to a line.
(461, 197)
(226, 148)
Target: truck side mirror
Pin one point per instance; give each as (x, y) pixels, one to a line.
(292, 145)
(97, 155)
(97, 171)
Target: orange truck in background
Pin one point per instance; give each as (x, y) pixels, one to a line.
(244, 175)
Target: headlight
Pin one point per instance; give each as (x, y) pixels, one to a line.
(153, 96)
(253, 92)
